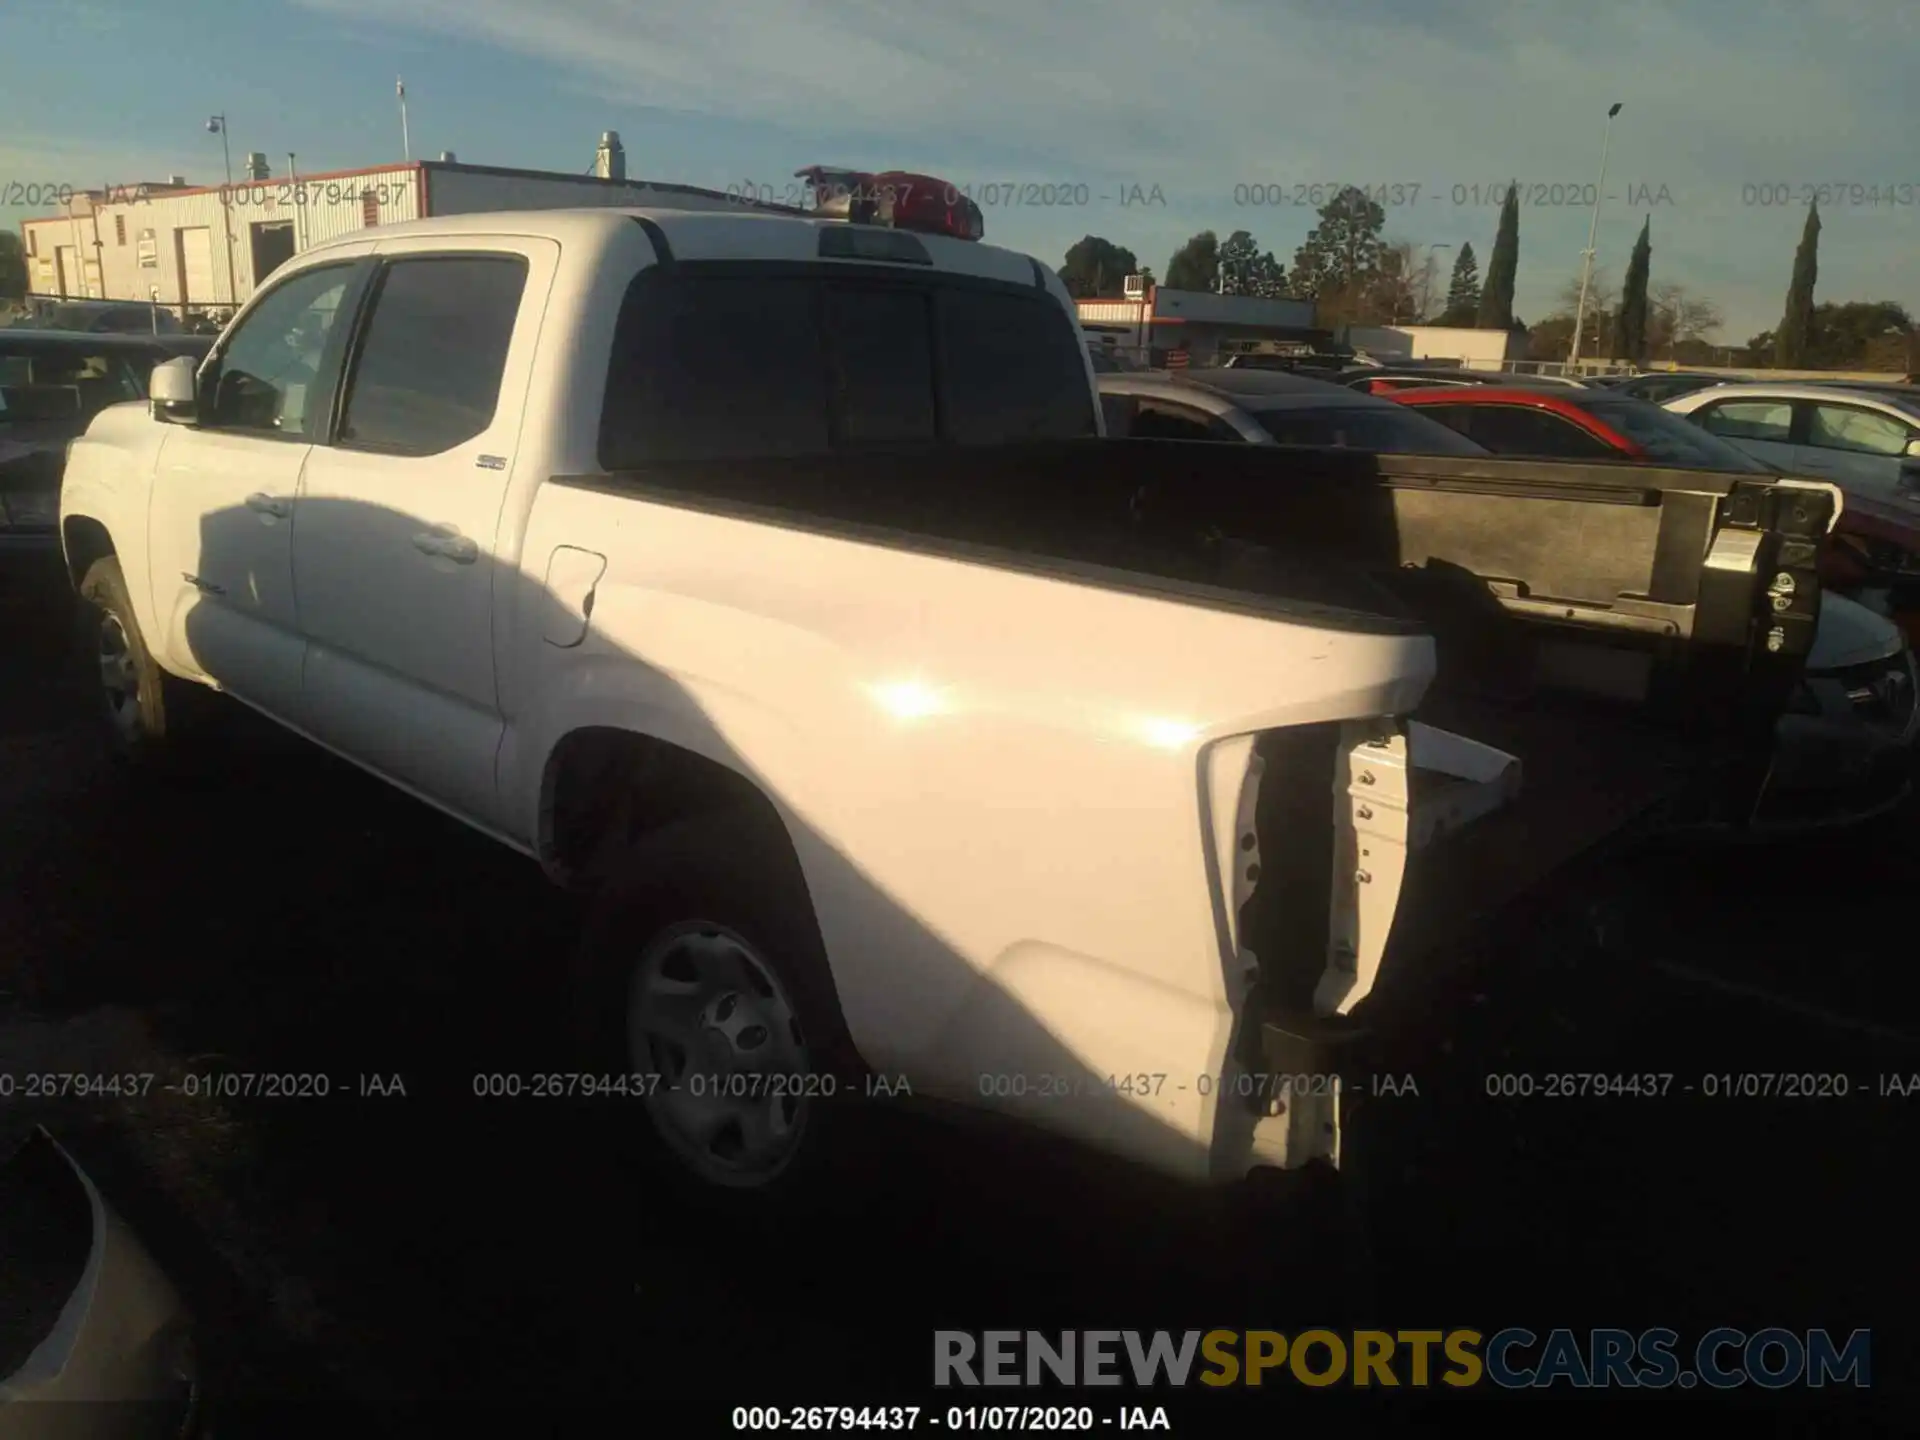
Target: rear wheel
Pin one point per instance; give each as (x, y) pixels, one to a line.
(705, 982)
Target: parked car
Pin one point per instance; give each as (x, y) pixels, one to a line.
(52, 384)
(766, 578)
(1266, 407)
(108, 317)
(1660, 386)
(1586, 424)
(1865, 441)
(95, 1341)
(1845, 751)
(1389, 379)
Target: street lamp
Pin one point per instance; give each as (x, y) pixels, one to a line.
(1593, 230)
(217, 125)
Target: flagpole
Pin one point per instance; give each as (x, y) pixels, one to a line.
(406, 143)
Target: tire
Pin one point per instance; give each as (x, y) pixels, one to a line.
(693, 957)
(130, 691)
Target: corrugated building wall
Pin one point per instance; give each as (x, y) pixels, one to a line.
(173, 243)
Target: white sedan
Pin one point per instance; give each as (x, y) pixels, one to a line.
(1865, 441)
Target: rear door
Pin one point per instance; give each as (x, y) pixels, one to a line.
(1763, 427)
(1856, 447)
(393, 556)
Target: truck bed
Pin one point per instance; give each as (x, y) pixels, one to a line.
(1622, 629)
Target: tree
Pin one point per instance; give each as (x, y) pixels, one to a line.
(1630, 323)
(13, 267)
(1603, 303)
(1245, 269)
(1343, 252)
(1677, 319)
(1401, 290)
(1463, 289)
(1496, 297)
(1551, 338)
(1096, 269)
(1859, 335)
(1600, 294)
(1792, 342)
(1196, 264)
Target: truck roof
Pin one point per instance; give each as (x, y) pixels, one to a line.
(734, 234)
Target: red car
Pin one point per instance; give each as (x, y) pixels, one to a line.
(1873, 547)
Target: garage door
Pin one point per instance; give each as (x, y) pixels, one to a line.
(196, 265)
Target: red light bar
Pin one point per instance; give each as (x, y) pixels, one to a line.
(897, 199)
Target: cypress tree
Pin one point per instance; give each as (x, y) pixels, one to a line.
(1496, 296)
(1790, 344)
(1630, 325)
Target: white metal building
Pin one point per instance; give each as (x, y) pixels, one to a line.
(208, 247)
(1473, 349)
(1195, 323)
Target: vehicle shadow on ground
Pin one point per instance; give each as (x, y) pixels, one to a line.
(275, 911)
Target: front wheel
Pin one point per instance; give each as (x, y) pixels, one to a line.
(139, 704)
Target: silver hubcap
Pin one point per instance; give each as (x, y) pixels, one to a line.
(119, 679)
(708, 1015)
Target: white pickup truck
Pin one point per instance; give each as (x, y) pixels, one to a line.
(767, 575)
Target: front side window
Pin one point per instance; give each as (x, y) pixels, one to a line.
(271, 367)
(1749, 420)
(1862, 432)
(426, 375)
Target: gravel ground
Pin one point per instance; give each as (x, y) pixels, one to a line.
(418, 1255)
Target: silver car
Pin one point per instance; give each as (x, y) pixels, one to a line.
(1268, 407)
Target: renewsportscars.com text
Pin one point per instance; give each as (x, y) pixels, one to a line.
(1509, 1359)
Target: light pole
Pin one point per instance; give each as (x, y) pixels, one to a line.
(217, 125)
(1593, 230)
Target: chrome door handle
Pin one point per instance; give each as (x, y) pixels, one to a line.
(457, 548)
(267, 505)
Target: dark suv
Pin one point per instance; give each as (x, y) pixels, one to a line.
(107, 317)
(52, 384)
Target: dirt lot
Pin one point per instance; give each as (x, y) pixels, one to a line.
(432, 1253)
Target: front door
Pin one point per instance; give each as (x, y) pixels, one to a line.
(221, 521)
(1761, 427)
(395, 555)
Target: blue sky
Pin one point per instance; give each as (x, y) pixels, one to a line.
(1196, 98)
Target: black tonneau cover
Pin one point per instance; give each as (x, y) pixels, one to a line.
(1510, 562)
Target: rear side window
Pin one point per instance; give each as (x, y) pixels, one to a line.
(1522, 430)
(427, 375)
(1014, 370)
(1392, 431)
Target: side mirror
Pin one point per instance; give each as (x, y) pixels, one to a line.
(1913, 449)
(170, 390)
